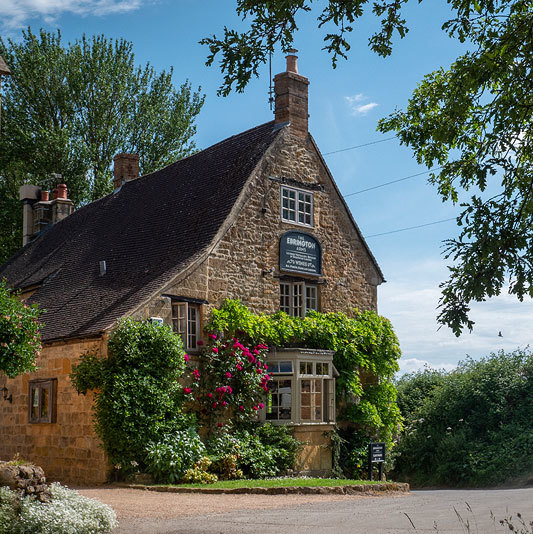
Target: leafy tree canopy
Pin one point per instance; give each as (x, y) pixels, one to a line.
(20, 336)
(472, 120)
(70, 109)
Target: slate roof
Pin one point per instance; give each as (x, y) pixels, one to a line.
(146, 232)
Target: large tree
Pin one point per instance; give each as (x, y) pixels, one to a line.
(473, 120)
(68, 109)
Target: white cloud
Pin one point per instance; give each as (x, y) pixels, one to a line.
(410, 301)
(408, 365)
(355, 103)
(15, 13)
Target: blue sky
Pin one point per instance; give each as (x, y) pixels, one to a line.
(344, 105)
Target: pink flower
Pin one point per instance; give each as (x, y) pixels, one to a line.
(214, 405)
(267, 378)
(241, 408)
(224, 403)
(256, 352)
(259, 371)
(187, 390)
(228, 389)
(200, 342)
(186, 357)
(196, 374)
(261, 405)
(219, 425)
(213, 336)
(239, 368)
(210, 395)
(215, 350)
(254, 407)
(228, 375)
(266, 366)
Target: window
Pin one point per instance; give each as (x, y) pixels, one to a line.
(186, 323)
(296, 206)
(302, 389)
(297, 298)
(42, 401)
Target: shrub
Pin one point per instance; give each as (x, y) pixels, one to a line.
(475, 427)
(67, 513)
(20, 337)
(169, 458)
(230, 382)
(198, 473)
(138, 397)
(365, 342)
(262, 450)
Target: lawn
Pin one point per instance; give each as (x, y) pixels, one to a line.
(277, 483)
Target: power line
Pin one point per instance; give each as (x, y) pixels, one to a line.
(411, 227)
(359, 146)
(392, 182)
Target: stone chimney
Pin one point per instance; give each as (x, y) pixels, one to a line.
(291, 91)
(126, 168)
(39, 212)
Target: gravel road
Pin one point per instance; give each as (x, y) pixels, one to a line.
(435, 511)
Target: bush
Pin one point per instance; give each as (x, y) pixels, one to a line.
(138, 397)
(20, 337)
(67, 513)
(475, 427)
(198, 473)
(262, 450)
(169, 458)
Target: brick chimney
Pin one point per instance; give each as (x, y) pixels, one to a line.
(126, 168)
(291, 97)
(39, 212)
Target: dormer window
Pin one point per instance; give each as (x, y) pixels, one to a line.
(296, 206)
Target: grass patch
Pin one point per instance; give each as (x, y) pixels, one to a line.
(276, 483)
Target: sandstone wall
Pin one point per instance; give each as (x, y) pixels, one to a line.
(68, 450)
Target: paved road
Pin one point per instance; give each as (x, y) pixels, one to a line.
(429, 511)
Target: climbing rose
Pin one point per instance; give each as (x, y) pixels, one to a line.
(213, 336)
(261, 405)
(187, 390)
(186, 357)
(228, 375)
(200, 342)
(215, 350)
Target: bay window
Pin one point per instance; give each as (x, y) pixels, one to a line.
(302, 387)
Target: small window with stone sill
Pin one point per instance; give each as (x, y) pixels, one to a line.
(297, 206)
(186, 323)
(42, 401)
(297, 298)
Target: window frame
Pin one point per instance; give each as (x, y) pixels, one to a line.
(299, 206)
(297, 289)
(186, 334)
(327, 386)
(40, 385)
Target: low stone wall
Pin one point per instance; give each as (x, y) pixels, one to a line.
(25, 479)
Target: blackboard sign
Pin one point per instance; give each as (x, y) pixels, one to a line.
(300, 252)
(376, 452)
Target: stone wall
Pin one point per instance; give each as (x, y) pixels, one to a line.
(235, 268)
(68, 450)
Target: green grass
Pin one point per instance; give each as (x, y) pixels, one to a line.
(276, 483)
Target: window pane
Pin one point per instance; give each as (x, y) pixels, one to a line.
(297, 300)
(45, 403)
(306, 368)
(311, 298)
(35, 403)
(279, 404)
(285, 367)
(285, 298)
(192, 323)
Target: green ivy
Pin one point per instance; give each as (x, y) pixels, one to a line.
(365, 343)
(138, 398)
(20, 337)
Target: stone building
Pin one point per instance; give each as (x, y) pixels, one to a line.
(256, 217)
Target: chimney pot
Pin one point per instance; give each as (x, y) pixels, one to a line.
(62, 191)
(45, 195)
(292, 61)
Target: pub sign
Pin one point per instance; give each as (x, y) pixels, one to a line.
(300, 252)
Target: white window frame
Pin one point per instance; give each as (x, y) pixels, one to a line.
(298, 379)
(186, 323)
(298, 200)
(297, 298)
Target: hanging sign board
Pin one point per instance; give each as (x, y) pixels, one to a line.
(300, 252)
